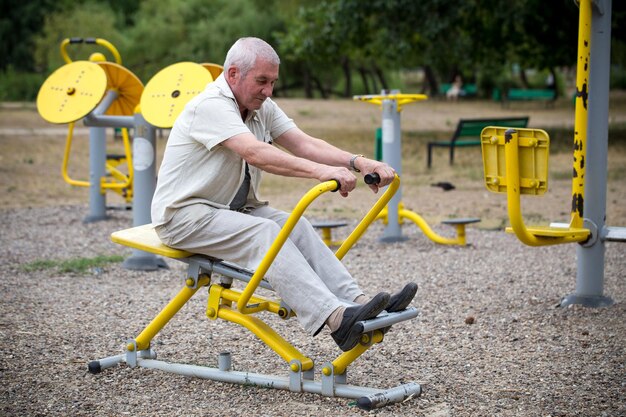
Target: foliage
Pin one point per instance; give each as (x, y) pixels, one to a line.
(89, 20)
(336, 47)
(170, 31)
(19, 84)
(19, 22)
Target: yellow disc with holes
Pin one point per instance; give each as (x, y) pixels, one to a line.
(214, 69)
(128, 87)
(170, 89)
(71, 92)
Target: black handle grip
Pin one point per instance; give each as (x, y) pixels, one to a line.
(76, 40)
(90, 40)
(372, 178)
(338, 186)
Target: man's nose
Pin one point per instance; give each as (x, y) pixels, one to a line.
(268, 90)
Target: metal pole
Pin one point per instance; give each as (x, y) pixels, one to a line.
(590, 255)
(97, 163)
(97, 171)
(392, 155)
(144, 184)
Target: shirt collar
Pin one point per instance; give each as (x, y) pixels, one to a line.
(225, 90)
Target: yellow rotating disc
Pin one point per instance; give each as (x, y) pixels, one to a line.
(170, 89)
(214, 69)
(71, 92)
(128, 87)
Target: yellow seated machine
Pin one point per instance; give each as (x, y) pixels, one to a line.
(240, 306)
(515, 162)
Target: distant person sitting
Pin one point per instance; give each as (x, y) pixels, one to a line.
(456, 89)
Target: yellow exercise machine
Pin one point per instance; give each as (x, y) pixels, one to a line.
(238, 306)
(72, 93)
(516, 162)
(393, 215)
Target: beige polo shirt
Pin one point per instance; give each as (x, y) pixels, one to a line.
(196, 168)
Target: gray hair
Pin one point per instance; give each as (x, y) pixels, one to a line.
(244, 53)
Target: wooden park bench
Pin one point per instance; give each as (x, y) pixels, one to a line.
(467, 133)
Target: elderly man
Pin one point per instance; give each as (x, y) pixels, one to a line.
(207, 195)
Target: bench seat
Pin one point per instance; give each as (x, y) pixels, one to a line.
(146, 239)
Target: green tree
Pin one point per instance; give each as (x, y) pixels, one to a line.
(88, 20)
(171, 31)
(20, 21)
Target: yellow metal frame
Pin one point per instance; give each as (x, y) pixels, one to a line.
(523, 155)
(119, 182)
(514, 185)
(238, 306)
(401, 99)
(581, 115)
(98, 41)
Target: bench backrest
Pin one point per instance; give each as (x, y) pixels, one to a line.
(522, 94)
(473, 127)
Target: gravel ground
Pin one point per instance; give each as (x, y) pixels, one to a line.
(522, 355)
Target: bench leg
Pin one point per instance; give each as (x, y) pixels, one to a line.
(451, 154)
(429, 158)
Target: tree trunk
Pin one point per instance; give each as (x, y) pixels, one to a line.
(381, 76)
(430, 82)
(345, 65)
(308, 87)
(320, 87)
(366, 86)
(522, 77)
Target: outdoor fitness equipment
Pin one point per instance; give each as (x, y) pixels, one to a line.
(236, 306)
(73, 92)
(395, 213)
(516, 162)
(105, 94)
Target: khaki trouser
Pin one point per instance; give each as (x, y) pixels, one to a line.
(306, 274)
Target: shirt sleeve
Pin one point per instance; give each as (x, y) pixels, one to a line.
(214, 120)
(279, 123)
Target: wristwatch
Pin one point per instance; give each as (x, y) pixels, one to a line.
(354, 157)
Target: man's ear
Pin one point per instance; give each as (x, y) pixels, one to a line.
(232, 73)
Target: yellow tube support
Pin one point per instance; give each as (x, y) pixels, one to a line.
(341, 363)
(283, 235)
(234, 296)
(264, 332)
(580, 123)
(124, 181)
(430, 233)
(371, 216)
(539, 236)
(98, 41)
(144, 338)
(66, 159)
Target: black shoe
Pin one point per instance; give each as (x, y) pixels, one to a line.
(348, 334)
(401, 300)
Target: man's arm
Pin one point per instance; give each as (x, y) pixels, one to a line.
(271, 159)
(305, 146)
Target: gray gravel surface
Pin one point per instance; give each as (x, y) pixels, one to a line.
(490, 339)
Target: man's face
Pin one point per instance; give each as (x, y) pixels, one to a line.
(257, 85)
